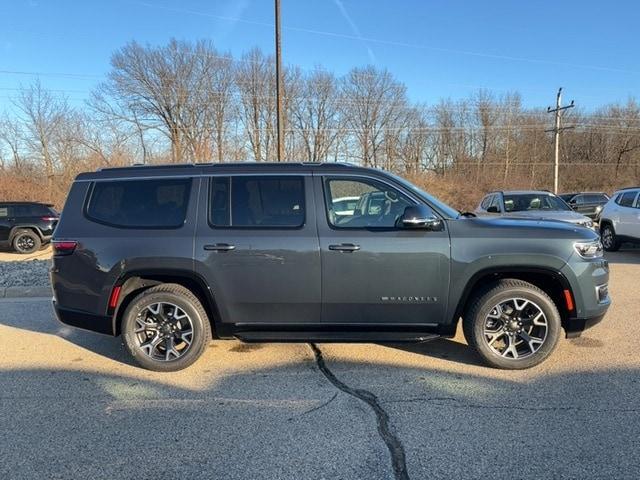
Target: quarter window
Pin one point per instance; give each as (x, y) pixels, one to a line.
(158, 203)
(370, 204)
(257, 202)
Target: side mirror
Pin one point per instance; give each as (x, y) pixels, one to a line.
(420, 217)
(493, 209)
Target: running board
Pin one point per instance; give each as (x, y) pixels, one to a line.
(334, 337)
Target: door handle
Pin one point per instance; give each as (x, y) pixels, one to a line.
(220, 247)
(345, 247)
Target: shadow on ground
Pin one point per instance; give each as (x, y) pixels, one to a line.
(628, 255)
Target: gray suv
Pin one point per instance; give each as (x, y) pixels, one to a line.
(531, 204)
(171, 256)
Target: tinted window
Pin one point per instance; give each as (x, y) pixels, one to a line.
(595, 198)
(259, 202)
(626, 199)
(30, 210)
(140, 203)
(377, 205)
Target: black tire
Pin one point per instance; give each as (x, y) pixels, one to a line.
(26, 241)
(485, 304)
(610, 241)
(173, 295)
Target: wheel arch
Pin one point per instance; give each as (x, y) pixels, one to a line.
(134, 282)
(14, 230)
(552, 282)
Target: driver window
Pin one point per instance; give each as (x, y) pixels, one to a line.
(363, 204)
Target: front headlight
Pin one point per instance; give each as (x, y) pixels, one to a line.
(589, 249)
(586, 223)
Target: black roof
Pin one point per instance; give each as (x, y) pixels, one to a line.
(188, 169)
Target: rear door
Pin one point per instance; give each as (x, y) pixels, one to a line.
(257, 247)
(5, 222)
(373, 272)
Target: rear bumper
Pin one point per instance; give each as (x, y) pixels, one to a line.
(84, 320)
(574, 327)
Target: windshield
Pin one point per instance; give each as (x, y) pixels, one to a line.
(533, 201)
(445, 209)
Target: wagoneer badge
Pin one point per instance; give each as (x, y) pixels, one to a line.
(412, 299)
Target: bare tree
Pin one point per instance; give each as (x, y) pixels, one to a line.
(315, 115)
(372, 102)
(43, 117)
(12, 135)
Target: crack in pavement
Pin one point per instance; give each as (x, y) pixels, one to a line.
(393, 443)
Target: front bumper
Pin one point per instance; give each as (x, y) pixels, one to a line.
(574, 327)
(588, 280)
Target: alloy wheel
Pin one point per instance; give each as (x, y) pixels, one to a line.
(515, 328)
(163, 331)
(25, 243)
(607, 237)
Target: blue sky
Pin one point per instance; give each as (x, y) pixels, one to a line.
(439, 49)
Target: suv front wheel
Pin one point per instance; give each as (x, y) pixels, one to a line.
(514, 325)
(165, 328)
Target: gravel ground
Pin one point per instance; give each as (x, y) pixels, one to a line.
(32, 273)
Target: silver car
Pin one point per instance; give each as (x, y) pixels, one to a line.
(531, 205)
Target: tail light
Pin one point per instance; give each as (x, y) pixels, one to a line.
(63, 247)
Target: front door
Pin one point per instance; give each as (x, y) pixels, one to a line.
(257, 247)
(372, 271)
(629, 215)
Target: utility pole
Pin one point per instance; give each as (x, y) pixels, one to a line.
(279, 123)
(556, 130)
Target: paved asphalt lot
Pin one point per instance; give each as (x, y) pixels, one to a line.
(72, 406)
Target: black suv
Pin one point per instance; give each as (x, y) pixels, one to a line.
(169, 256)
(26, 226)
(589, 204)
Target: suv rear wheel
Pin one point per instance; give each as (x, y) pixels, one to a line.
(513, 325)
(26, 241)
(165, 328)
(609, 240)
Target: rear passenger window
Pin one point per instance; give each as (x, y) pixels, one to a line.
(626, 199)
(596, 198)
(158, 203)
(257, 202)
(4, 212)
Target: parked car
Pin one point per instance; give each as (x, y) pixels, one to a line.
(26, 226)
(169, 256)
(531, 204)
(620, 219)
(589, 204)
(345, 205)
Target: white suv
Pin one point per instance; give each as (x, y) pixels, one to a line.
(620, 219)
